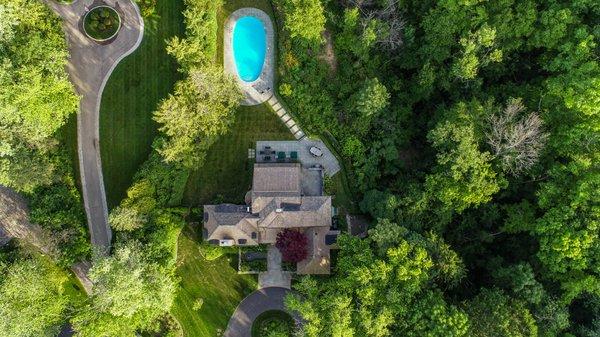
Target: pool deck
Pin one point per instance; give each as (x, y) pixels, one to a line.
(261, 90)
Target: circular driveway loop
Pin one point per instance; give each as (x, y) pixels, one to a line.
(265, 299)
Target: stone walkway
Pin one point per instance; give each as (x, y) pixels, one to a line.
(274, 276)
(89, 67)
(285, 117)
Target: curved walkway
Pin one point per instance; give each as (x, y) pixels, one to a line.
(240, 324)
(89, 67)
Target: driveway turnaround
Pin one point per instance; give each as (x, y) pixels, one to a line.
(89, 67)
(240, 324)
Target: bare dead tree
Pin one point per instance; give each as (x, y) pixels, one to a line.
(516, 137)
(389, 25)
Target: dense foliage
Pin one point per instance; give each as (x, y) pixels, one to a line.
(36, 97)
(36, 100)
(130, 293)
(32, 299)
(472, 122)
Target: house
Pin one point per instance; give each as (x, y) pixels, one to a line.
(277, 201)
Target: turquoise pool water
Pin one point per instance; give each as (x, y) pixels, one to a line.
(249, 47)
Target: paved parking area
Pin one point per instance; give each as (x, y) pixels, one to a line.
(328, 161)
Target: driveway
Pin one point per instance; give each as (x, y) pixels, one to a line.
(240, 324)
(89, 68)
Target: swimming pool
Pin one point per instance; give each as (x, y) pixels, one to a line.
(249, 47)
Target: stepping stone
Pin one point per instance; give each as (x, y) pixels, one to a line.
(281, 112)
(286, 118)
(294, 129)
(290, 123)
(299, 135)
(273, 100)
(276, 106)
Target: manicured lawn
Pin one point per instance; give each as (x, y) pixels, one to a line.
(227, 172)
(132, 93)
(215, 282)
(68, 138)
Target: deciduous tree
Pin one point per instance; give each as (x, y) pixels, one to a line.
(292, 244)
(198, 112)
(32, 299)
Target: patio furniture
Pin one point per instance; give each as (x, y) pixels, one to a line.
(267, 158)
(294, 155)
(315, 151)
(280, 156)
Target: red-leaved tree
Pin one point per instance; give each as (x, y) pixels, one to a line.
(292, 245)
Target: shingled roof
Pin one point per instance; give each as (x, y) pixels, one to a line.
(276, 180)
(277, 203)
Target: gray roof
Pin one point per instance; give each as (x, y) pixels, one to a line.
(277, 203)
(281, 179)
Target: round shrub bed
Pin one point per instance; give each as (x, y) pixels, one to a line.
(273, 323)
(101, 23)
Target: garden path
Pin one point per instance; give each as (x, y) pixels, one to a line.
(89, 67)
(285, 117)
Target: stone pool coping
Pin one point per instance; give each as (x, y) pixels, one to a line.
(265, 81)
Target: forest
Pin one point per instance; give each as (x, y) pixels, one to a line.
(468, 130)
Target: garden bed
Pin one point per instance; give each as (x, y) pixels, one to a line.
(102, 23)
(273, 323)
(252, 259)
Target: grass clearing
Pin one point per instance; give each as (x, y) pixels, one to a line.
(132, 93)
(226, 174)
(215, 282)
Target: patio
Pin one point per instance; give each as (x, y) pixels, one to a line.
(297, 151)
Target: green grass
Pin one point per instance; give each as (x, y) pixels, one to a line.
(227, 172)
(215, 282)
(132, 93)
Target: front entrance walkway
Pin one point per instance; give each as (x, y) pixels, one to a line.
(89, 67)
(274, 276)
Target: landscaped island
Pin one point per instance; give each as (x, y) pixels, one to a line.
(102, 23)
